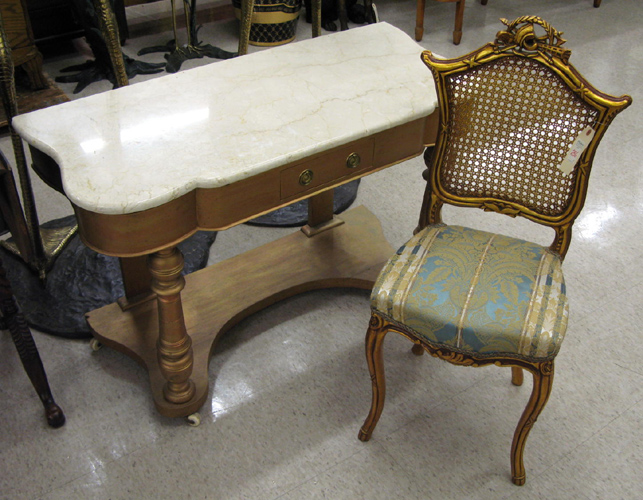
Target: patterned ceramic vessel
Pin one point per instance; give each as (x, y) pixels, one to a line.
(274, 22)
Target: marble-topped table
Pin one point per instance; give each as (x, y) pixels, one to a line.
(145, 166)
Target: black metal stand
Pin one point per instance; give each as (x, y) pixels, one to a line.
(80, 281)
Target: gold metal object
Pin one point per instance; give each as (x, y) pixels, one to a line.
(247, 10)
(306, 177)
(53, 240)
(41, 254)
(109, 29)
(316, 17)
(353, 160)
(509, 113)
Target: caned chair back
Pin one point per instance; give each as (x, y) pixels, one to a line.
(519, 127)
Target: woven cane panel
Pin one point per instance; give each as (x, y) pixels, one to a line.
(511, 124)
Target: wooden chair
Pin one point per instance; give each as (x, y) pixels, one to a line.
(514, 116)
(459, 15)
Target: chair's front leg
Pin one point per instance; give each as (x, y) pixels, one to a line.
(174, 345)
(377, 330)
(543, 380)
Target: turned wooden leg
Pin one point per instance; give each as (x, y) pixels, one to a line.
(543, 379)
(459, 16)
(174, 346)
(417, 349)
(483, 2)
(597, 3)
(15, 322)
(377, 330)
(516, 375)
(419, 20)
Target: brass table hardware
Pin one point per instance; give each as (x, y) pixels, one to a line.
(306, 177)
(353, 160)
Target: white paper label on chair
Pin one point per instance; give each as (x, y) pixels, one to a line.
(579, 145)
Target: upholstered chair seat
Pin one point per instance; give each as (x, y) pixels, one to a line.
(476, 293)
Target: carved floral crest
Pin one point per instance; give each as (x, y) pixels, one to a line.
(520, 35)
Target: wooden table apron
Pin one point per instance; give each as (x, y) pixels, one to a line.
(346, 251)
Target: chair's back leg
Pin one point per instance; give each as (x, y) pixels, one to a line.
(516, 375)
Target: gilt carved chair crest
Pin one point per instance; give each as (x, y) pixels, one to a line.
(512, 104)
(519, 128)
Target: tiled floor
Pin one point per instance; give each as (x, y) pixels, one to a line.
(289, 385)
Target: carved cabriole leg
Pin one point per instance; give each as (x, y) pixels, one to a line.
(516, 375)
(174, 346)
(377, 330)
(543, 379)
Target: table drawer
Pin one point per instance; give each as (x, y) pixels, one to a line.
(344, 162)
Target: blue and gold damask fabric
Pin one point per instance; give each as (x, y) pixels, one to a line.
(476, 292)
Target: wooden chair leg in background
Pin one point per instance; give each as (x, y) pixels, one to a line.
(419, 19)
(459, 16)
(14, 321)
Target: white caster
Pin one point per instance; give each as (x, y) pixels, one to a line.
(193, 420)
(95, 345)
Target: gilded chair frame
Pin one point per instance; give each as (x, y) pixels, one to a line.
(519, 39)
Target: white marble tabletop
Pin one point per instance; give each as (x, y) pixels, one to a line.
(144, 145)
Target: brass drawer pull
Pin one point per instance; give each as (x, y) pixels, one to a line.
(306, 177)
(353, 160)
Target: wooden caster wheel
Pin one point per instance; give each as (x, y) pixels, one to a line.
(95, 345)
